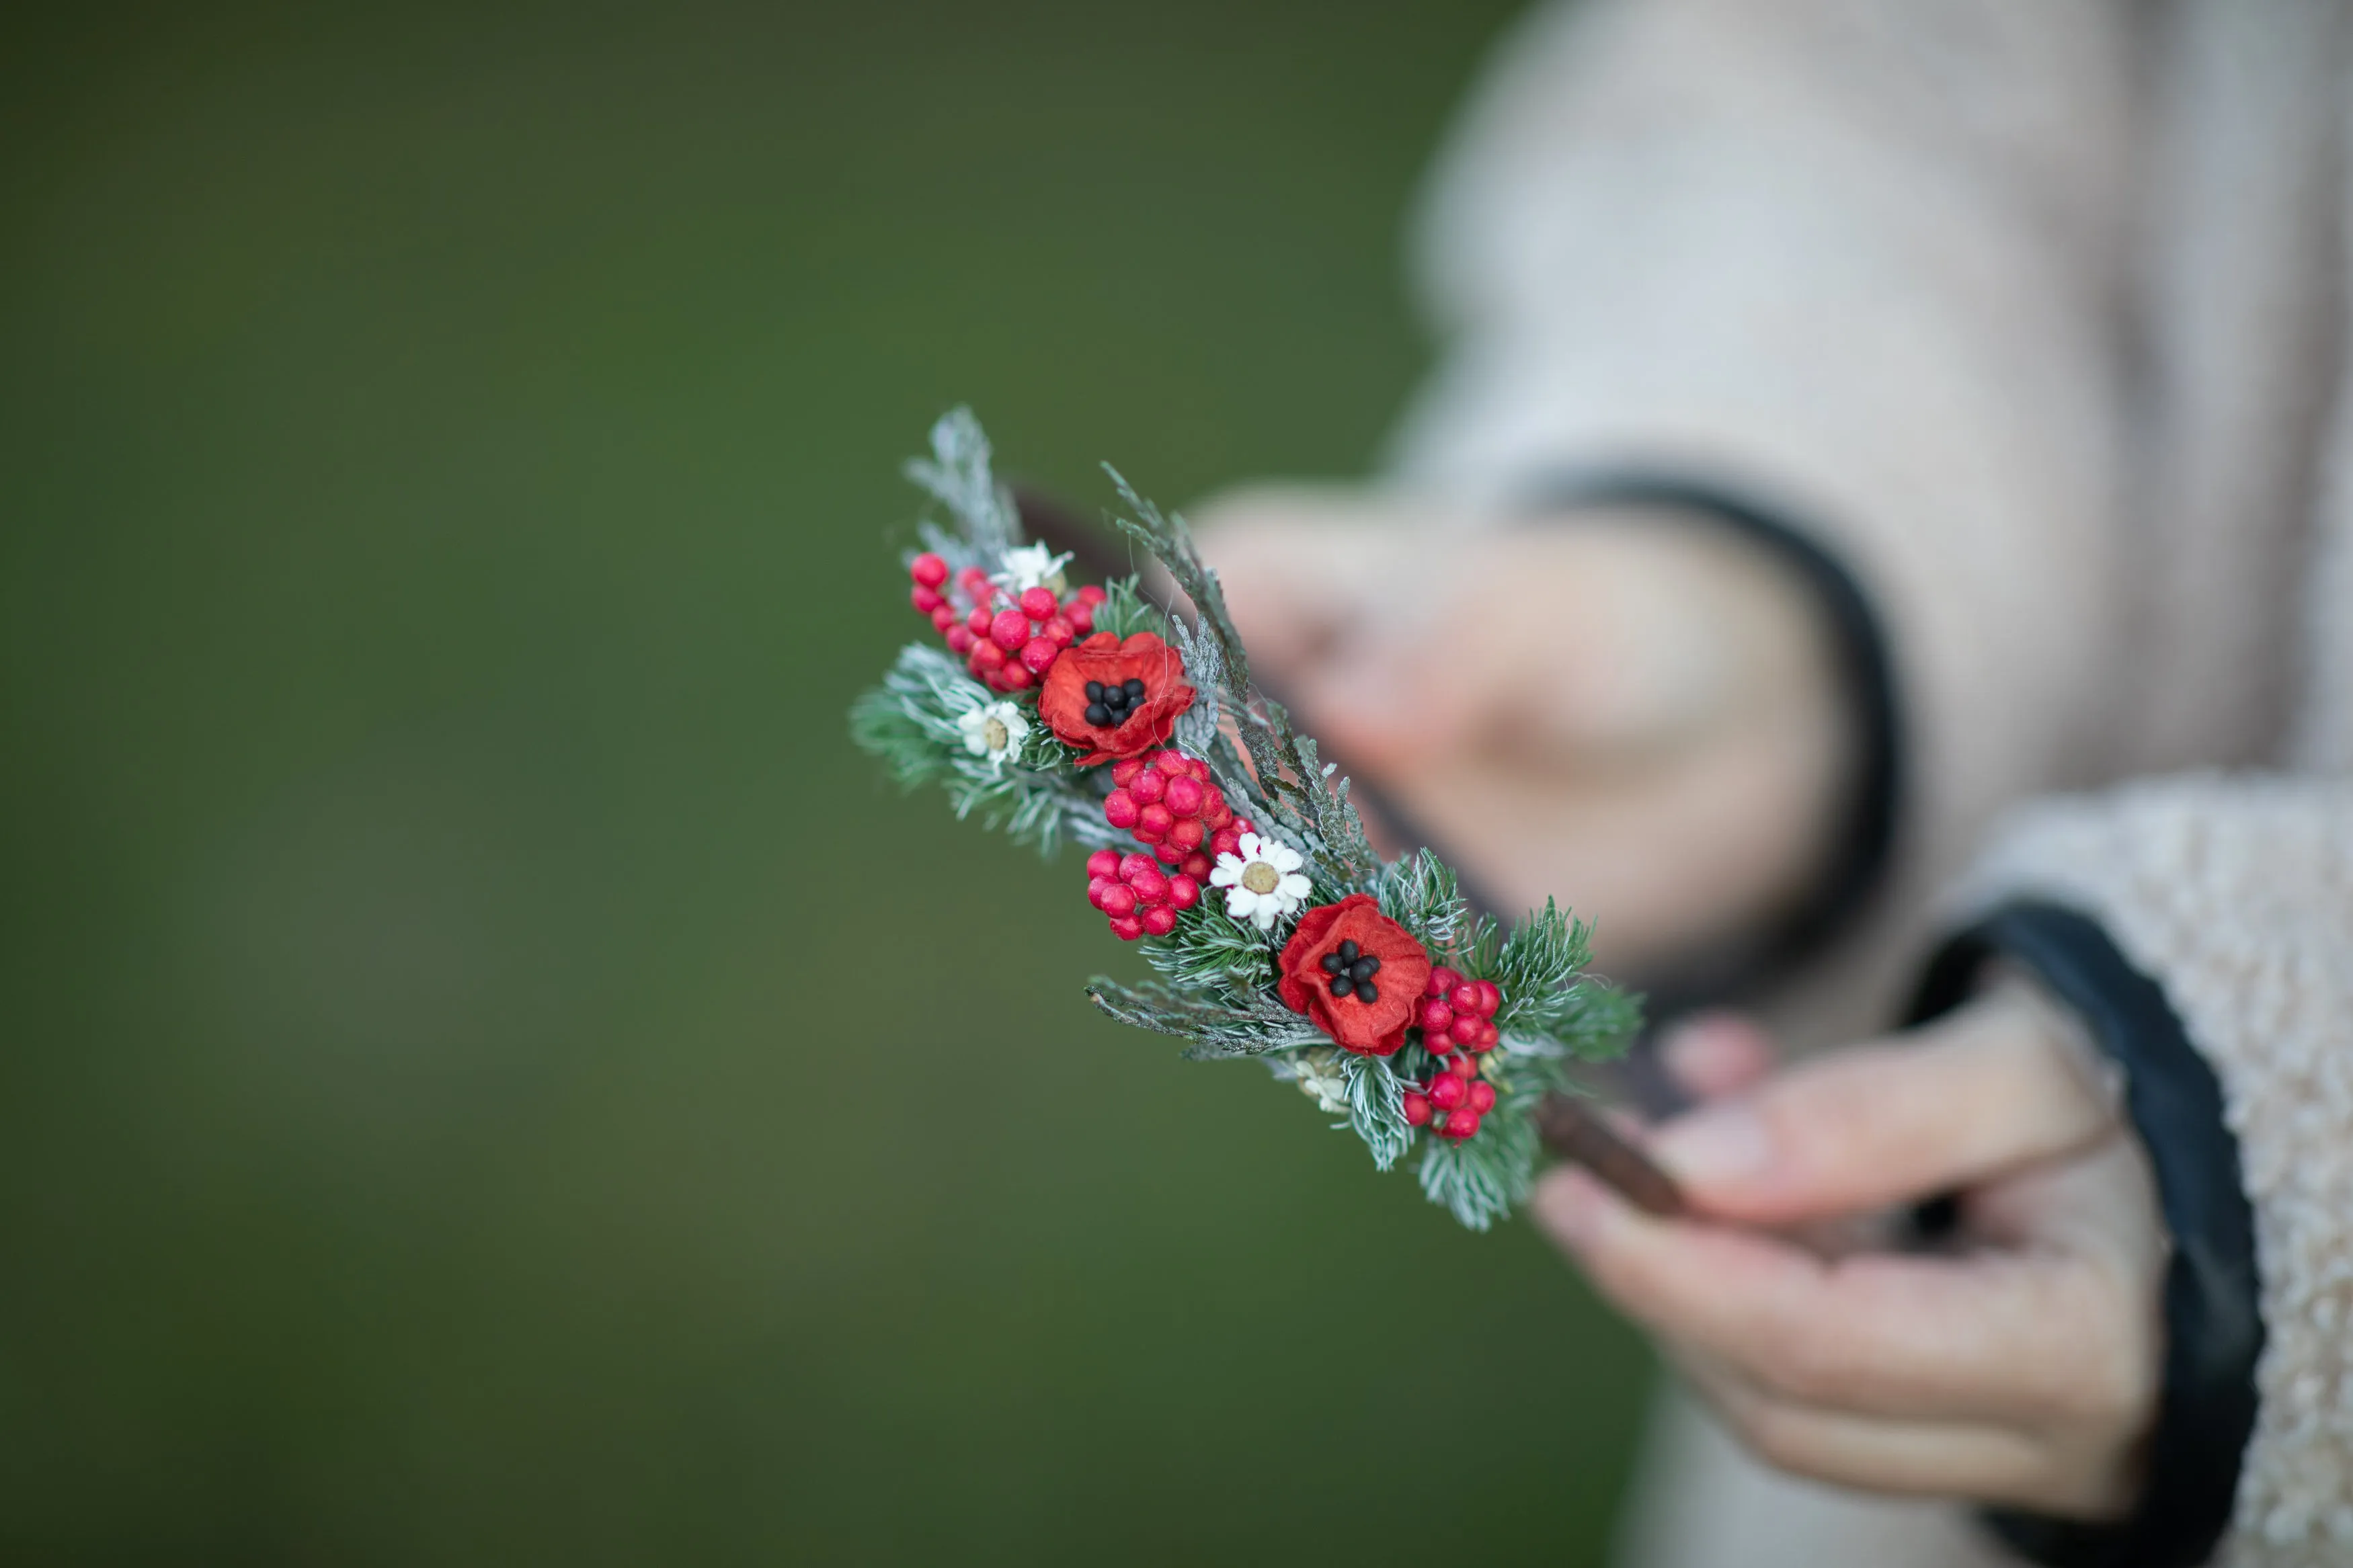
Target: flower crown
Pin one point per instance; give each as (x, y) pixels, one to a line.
(1220, 844)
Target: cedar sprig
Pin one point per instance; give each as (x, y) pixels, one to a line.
(1293, 794)
(959, 475)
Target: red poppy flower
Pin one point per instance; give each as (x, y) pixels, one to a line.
(1116, 698)
(1359, 973)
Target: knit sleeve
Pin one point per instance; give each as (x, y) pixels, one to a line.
(1858, 261)
(2235, 896)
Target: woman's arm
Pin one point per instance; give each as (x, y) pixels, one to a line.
(2056, 1356)
(1861, 261)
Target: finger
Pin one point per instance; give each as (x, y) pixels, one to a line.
(1716, 1053)
(1600, 644)
(2100, 1205)
(1373, 701)
(1298, 566)
(1995, 1336)
(1989, 1088)
(1343, 601)
(1920, 1459)
(1403, 683)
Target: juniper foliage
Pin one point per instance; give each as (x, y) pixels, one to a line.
(1126, 611)
(1421, 893)
(1377, 1109)
(1481, 1180)
(1539, 965)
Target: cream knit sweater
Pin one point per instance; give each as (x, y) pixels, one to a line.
(2034, 307)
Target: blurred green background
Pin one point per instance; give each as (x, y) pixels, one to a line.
(492, 1076)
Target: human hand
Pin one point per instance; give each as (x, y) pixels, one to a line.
(2022, 1369)
(1636, 706)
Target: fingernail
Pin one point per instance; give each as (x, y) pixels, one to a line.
(1366, 691)
(1691, 1049)
(1696, 1042)
(1717, 1143)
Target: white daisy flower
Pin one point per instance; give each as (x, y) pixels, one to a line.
(994, 731)
(1263, 883)
(1322, 1079)
(1031, 566)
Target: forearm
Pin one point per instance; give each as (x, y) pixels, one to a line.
(1753, 245)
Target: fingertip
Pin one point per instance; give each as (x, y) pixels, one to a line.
(1717, 1148)
(1714, 1054)
(1572, 1208)
(1658, 1272)
(1371, 708)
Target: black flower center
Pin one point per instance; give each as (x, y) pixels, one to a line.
(1352, 971)
(1110, 703)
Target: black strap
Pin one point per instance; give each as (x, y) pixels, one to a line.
(2214, 1325)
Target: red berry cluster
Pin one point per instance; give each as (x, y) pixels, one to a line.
(1456, 1097)
(1458, 1025)
(1457, 1013)
(1008, 642)
(1138, 896)
(1166, 800)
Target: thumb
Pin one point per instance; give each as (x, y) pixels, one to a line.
(1611, 640)
(1995, 1086)
(1407, 678)
(1384, 699)
(1303, 568)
